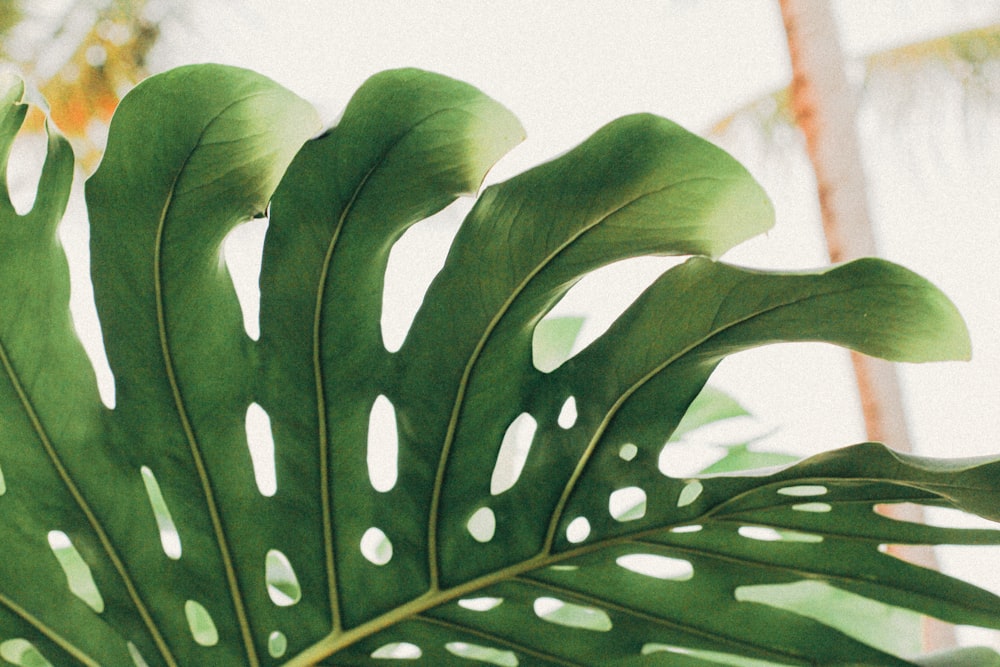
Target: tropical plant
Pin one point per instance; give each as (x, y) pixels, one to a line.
(392, 520)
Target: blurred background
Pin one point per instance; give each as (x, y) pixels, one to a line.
(923, 96)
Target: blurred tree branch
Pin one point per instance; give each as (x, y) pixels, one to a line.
(903, 85)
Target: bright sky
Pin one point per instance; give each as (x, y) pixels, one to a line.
(567, 67)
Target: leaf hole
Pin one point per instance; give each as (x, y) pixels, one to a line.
(398, 651)
(686, 529)
(170, 539)
(383, 445)
(136, 656)
(664, 648)
(803, 490)
(415, 258)
(686, 458)
(200, 622)
(938, 517)
(656, 566)
(760, 533)
(482, 653)
(578, 530)
(376, 547)
(242, 251)
(277, 644)
(74, 233)
(627, 504)
(702, 656)
(282, 584)
(572, 615)
(3, 483)
(28, 152)
(552, 341)
(604, 294)
(482, 524)
(628, 451)
(813, 507)
(261, 443)
(567, 414)
(690, 493)
(78, 575)
(22, 653)
(513, 453)
(765, 534)
(480, 604)
(862, 618)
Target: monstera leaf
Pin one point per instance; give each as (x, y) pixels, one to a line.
(447, 503)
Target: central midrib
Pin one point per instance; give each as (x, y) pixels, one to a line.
(179, 404)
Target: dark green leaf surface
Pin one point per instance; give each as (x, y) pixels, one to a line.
(582, 553)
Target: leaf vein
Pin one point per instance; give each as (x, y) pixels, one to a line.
(481, 344)
(84, 506)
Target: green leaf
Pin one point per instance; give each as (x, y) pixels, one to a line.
(877, 624)
(440, 504)
(962, 657)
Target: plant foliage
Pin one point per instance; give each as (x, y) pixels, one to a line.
(140, 535)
